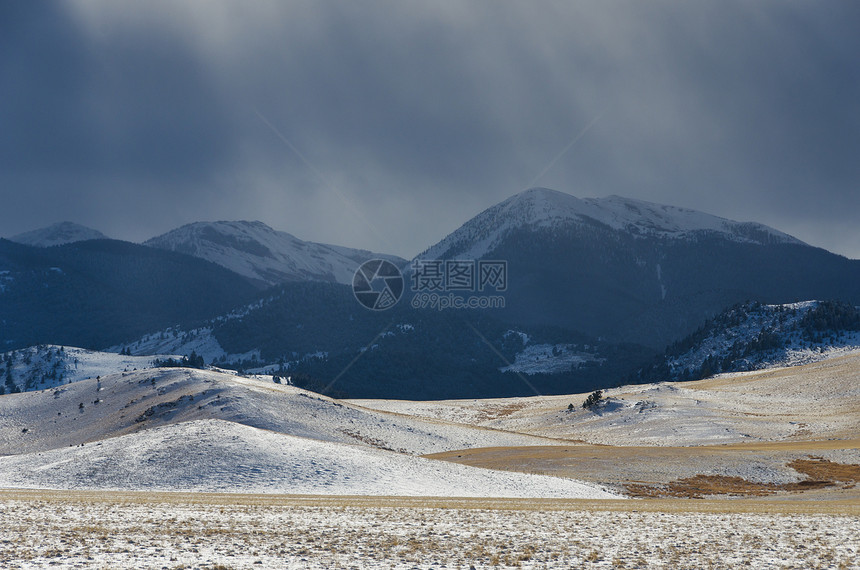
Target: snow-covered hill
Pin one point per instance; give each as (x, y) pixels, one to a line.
(259, 252)
(192, 430)
(545, 208)
(214, 455)
(57, 234)
(92, 410)
(752, 336)
(47, 366)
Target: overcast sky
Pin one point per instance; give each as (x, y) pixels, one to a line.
(386, 125)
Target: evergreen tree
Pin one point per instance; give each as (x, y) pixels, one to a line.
(10, 382)
(593, 399)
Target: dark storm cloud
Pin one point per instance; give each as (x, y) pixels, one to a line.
(108, 135)
(412, 117)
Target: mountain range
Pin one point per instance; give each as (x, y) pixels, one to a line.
(251, 249)
(596, 289)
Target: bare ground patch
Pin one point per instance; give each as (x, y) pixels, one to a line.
(490, 413)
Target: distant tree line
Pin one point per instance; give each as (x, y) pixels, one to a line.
(192, 360)
(826, 318)
(830, 316)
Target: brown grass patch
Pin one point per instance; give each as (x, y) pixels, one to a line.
(699, 486)
(820, 473)
(820, 468)
(490, 413)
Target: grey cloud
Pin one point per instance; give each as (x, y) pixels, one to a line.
(418, 115)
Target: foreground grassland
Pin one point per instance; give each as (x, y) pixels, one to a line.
(59, 529)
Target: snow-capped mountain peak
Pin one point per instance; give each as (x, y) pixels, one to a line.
(57, 234)
(255, 250)
(647, 218)
(545, 208)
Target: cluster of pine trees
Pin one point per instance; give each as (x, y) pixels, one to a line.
(819, 324)
(192, 360)
(830, 316)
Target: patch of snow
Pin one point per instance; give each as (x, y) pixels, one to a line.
(663, 289)
(5, 280)
(525, 338)
(174, 340)
(549, 359)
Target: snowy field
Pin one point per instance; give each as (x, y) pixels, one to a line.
(103, 532)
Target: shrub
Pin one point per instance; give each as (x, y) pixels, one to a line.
(593, 399)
